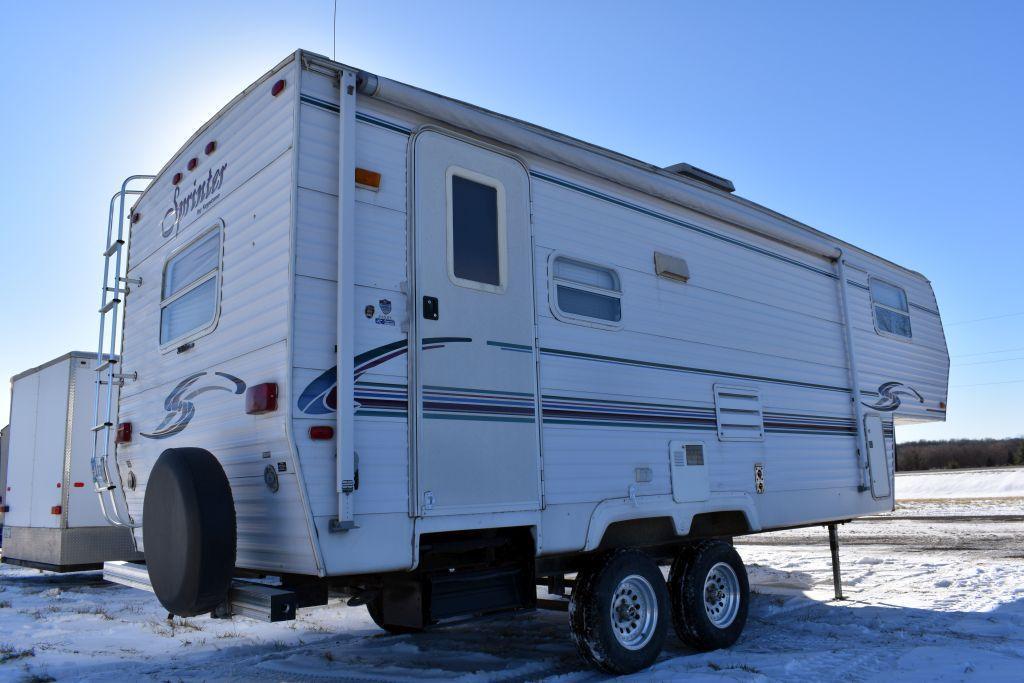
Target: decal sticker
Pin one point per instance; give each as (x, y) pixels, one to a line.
(320, 396)
(889, 396)
(385, 314)
(179, 406)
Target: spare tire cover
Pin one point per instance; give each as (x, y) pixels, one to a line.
(188, 531)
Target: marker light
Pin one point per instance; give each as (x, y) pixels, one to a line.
(321, 433)
(55, 510)
(123, 433)
(278, 87)
(211, 147)
(261, 398)
(136, 217)
(368, 179)
(192, 163)
(79, 484)
(177, 178)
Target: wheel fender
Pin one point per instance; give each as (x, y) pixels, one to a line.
(612, 510)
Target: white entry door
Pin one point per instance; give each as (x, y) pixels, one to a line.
(475, 388)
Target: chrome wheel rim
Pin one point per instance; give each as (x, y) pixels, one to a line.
(722, 595)
(634, 612)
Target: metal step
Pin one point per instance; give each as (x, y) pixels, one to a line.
(114, 246)
(102, 425)
(246, 598)
(110, 304)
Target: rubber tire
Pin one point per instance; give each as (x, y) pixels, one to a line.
(375, 606)
(590, 612)
(189, 531)
(686, 586)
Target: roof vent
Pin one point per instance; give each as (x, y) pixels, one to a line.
(700, 175)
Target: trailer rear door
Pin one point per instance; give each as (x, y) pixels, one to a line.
(475, 388)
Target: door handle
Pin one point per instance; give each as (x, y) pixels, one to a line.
(431, 309)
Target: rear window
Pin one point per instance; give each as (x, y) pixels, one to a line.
(889, 309)
(190, 293)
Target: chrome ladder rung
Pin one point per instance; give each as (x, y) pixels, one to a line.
(105, 364)
(114, 246)
(110, 304)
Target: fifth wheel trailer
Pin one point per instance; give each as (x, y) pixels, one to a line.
(388, 342)
(52, 518)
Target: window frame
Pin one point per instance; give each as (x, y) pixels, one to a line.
(488, 181)
(216, 274)
(576, 318)
(899, 311)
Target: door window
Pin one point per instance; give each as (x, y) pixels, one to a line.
(476, 231)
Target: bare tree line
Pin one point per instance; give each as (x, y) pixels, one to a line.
(959, 453)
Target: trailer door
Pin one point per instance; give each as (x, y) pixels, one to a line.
(474, 362)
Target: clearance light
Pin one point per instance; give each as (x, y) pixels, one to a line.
(321, 433)
(55, 510)
(261, 398)
(136, 217)
(79, 484)
(123, 433)
(278, 87)
(177, 178)
(192, 163)
(368, 179)
(211, 147)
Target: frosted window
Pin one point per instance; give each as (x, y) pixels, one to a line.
(190, 288)
(889, 305)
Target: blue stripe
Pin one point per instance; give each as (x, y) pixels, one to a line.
(683, 368)
(365, 118)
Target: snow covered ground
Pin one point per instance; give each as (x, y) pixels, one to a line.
(935, 591)
(1002, 482)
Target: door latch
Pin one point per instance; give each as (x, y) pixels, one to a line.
(431, 308)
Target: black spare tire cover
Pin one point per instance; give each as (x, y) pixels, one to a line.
(188, 530)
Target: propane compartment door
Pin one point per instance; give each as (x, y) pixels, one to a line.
(475, 388)
(877, 461)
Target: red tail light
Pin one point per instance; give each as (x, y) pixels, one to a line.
(321, 433)
(55, 510)
(261, 398)
(123, 433)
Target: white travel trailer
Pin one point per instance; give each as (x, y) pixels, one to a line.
(52, 519)
(434, 356)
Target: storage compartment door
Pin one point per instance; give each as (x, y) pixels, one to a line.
(477, 431)
(688, 460)
(878, 464)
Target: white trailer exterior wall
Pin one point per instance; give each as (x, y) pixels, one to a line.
(54, 519)
(759, 313)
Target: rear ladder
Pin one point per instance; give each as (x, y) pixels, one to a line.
(115, 287)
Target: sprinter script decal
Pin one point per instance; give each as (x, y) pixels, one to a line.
(198, 199)
(179, 406)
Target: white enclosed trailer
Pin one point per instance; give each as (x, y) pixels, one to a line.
(52, 518)
(4, 442)
(435, 355)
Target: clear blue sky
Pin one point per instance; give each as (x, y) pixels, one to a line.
(896, 126)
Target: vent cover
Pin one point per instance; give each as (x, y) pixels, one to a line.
(739, 414)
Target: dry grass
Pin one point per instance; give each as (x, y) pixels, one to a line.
(9, 654)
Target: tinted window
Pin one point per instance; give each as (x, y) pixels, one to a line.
(585, 290)
(475, 239)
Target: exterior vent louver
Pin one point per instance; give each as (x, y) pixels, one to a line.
(702, 176)
(739, 414)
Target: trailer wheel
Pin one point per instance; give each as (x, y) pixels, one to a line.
(375, 606)
(710, 595)
(618, 612)
(188, 528)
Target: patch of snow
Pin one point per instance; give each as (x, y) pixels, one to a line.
(1003, 482)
